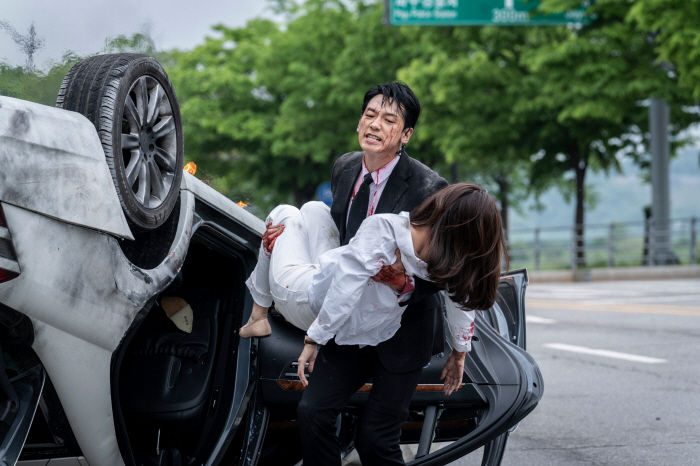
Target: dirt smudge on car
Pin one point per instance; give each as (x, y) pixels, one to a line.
(20, 123)
(141, 275)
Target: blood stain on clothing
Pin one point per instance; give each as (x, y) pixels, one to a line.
(465, 334)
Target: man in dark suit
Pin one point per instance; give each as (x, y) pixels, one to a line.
(382, 178)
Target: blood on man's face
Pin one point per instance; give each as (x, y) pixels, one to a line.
(380, 130)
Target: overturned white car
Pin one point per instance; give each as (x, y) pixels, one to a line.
(98, 225)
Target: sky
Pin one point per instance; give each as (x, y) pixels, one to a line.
(83, 25)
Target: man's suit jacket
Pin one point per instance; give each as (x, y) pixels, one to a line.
(409, 184)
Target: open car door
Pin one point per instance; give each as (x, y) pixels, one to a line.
(19, 398)
(501, 385)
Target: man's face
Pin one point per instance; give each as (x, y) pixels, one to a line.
(380, 130)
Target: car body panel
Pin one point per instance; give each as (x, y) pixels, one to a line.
(53, 164)
(205, 193)
(82, 296)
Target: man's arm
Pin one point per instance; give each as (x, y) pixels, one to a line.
(421, 290)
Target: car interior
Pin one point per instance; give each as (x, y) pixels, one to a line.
(174, 386)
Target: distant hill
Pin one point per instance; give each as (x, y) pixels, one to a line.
(622, 197)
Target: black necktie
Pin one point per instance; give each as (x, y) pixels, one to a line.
(358, 209)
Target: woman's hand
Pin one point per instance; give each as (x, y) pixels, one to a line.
(452, 372)
(308, 354)
(271, 234)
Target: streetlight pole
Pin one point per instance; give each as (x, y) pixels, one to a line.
(660, 207)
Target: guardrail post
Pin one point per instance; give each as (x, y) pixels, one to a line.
(611, 246)
(537, 249)
(693, 239)
(574, 249)
(651, 250)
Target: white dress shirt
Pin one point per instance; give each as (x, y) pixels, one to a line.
(355, 309)
(376, 188)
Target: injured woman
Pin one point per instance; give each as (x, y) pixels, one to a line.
(453, 239)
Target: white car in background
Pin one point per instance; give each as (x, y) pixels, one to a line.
(98, 225)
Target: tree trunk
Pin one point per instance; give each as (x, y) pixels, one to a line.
(579, 164)
(302, 194)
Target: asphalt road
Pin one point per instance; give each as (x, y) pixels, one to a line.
(621, 365)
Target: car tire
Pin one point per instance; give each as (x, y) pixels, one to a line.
(131, 102)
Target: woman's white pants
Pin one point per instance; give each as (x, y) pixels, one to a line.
(284, 275)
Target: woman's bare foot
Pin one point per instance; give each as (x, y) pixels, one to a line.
(257, 325)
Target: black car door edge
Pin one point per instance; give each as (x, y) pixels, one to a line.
(27, 388)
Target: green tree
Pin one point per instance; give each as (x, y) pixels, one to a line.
(588, 87)
(470, 82)
(227, 112)
(270, 109)
(553, 101)
(672, 25)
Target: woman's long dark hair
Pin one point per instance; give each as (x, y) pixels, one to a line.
(466, 243)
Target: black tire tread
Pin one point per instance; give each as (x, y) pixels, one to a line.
(91, 88)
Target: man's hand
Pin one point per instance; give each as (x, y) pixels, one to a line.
(393, 275)
(271, 234)
(308, 354)
(452, 372)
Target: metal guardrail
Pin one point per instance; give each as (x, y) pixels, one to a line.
(605, 245)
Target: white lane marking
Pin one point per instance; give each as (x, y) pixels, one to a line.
(539, 320)
(604, 353)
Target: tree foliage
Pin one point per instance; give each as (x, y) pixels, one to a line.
(269, 109)
(518, 109)
(592, 88)
(39, 86)
(554, 101)
(672, 25)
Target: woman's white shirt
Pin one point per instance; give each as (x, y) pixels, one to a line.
(359, 311)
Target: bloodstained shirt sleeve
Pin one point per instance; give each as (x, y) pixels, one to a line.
(460, 324)
(372, 247)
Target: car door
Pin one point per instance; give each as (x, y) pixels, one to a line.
(501, 385)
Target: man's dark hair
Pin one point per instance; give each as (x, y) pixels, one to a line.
(466, 243)
(400, 93)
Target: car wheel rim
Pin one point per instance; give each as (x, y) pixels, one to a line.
(148, 142)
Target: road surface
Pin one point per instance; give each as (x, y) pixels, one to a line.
(621, 365)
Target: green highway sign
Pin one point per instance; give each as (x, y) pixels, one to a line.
(476, 12)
